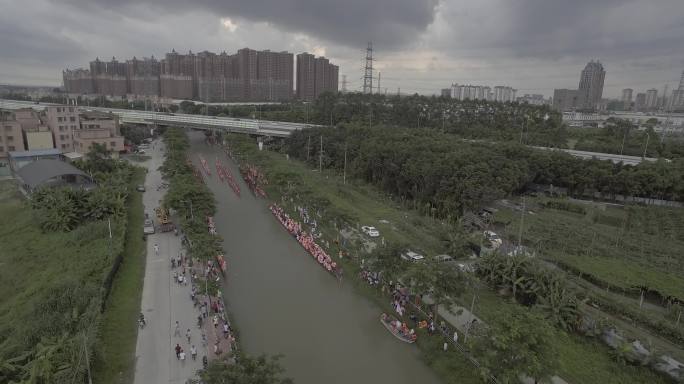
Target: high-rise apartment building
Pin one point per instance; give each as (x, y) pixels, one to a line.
(565, 99)
(532, 99)
(627, 98)
(248, 75)
(652, 98)
(315, 76)
(591, 85)
(504, 94)
(109, 78)
(640, 102)
(478, 92)
(143, 76)
(78, 81)
(178, 77)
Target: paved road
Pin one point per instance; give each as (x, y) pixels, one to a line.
(163, 301)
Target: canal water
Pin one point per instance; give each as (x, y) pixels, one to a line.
(283, 302)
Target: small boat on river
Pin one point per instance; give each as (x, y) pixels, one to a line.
(399, 330)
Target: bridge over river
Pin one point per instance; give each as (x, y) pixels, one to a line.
(225, 124)
(259, 127)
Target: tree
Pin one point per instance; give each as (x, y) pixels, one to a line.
(245, 370)
(557, 301)
(98, 159)
(387, 261)
(518, 343)
(441, 281)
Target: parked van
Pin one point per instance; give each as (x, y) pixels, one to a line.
(412, 256)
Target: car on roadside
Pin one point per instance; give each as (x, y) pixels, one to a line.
(370, 231)
(140, 188)
(148, 227)
(444, 259)
(493, 239)
(412, 256)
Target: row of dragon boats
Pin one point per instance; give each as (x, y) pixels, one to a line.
(254, 180)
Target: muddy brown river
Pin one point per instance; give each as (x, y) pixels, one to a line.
(283, 302)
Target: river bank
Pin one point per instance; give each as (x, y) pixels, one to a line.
(582, 360)
(283, 303)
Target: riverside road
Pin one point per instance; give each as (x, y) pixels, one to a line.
(164, 301)
(282, 302)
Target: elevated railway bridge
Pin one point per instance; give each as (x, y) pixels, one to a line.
(256, 127)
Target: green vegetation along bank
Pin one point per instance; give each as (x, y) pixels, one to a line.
(349, 205)
(57, 263)
(465, 119)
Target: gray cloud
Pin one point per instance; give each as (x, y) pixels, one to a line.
(421, 45)
(554, 29)
(391, 23)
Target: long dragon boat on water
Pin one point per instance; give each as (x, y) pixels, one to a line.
(225, 174)
(398, 329)
(205, 165)
(307, 241)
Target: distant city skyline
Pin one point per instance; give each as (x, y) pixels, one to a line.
(247, 75)
(420, 45)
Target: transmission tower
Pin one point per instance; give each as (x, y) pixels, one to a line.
(368, 74)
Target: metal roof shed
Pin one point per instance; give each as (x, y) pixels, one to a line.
(43, 173)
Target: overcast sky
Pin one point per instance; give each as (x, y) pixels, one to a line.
(420, 45)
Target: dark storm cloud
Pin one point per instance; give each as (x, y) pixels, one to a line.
(21, 40)
(422, 45)
(553, 29)
(391, 23)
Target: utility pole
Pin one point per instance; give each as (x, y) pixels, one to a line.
(308, 148)
(85, 346)
(368, 71)
(320, 157)
(622, 147)
(379, 82)
(370, 117)
(646, 146)
(344, 173)
(522, 221)
(522, 130)
(470, 322)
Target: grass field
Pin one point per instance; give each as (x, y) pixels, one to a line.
(582, 360)
(119, 330)
(625, 248)
(51, 284)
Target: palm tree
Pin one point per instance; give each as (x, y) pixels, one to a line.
(514, 270)
(558, 302)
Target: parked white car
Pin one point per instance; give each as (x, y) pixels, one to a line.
(370, 231)
(494, 239)
(148, 227)
(412, 256)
